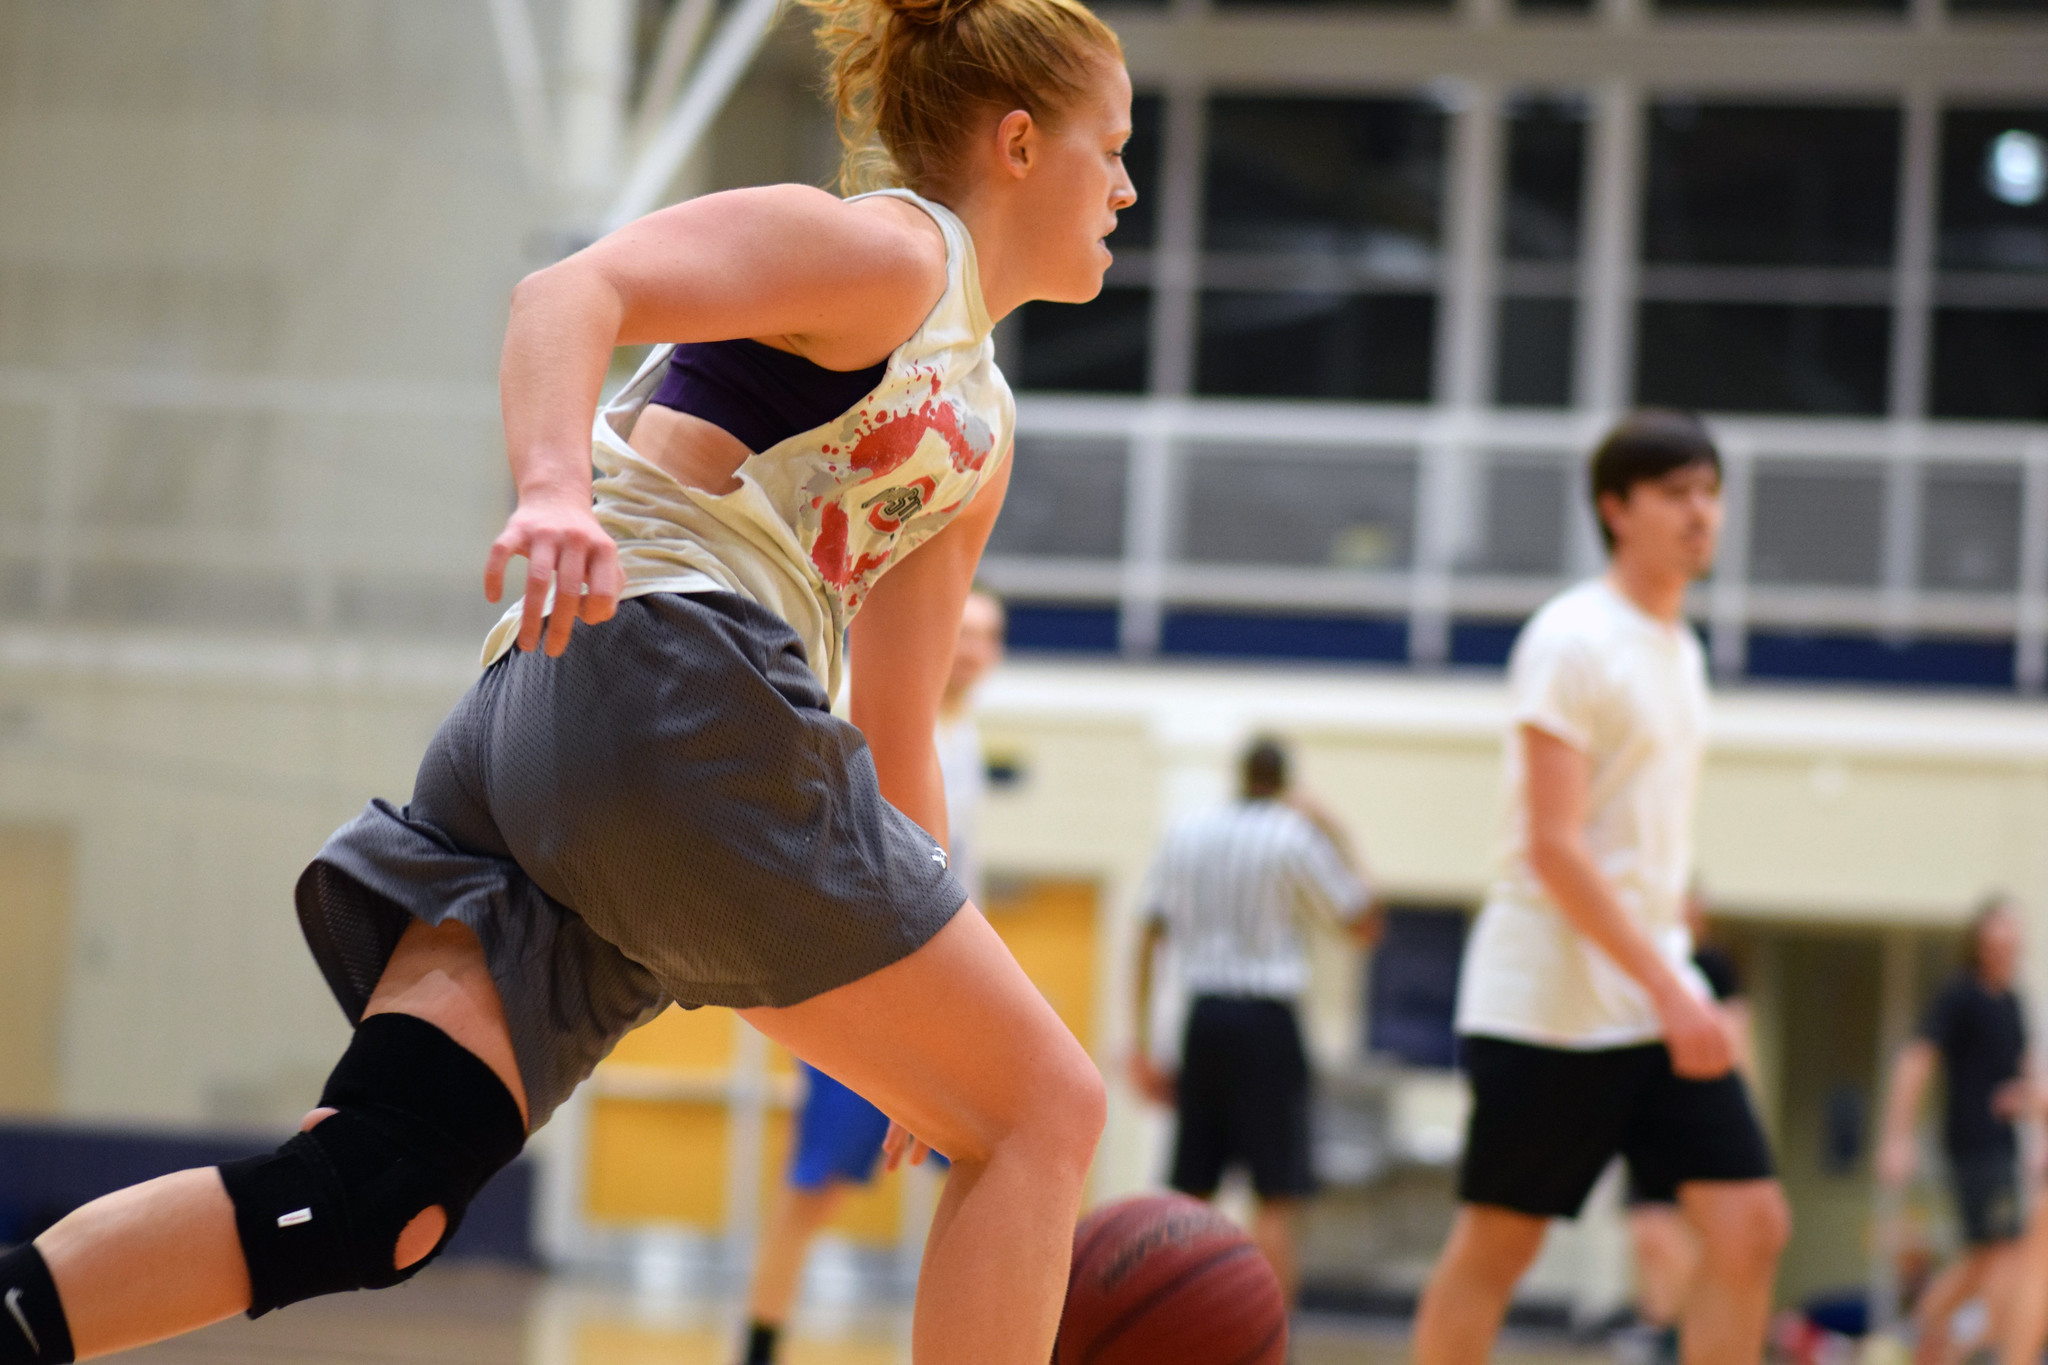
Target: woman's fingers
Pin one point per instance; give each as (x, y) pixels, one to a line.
(603, 581)
(568, 597)
(494, 567)
(566, 553)
(900, 1143)
(540, 570)
(893, 1144)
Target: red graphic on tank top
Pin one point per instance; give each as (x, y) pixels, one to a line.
(829, 551)
(878, 449)
(881, 448)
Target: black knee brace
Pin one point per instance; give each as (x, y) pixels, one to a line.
(419, 1121)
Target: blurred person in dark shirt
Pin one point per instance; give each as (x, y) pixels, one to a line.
(1976, 1032)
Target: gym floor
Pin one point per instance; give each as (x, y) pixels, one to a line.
(473, 1316)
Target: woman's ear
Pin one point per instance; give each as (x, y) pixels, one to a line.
(1017, 142)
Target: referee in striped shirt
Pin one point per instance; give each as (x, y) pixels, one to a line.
(1231, 889)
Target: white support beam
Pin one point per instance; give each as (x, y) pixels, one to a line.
(1177, 255)
(1470, 254)
(732, 50)
(2030, 648)
(597, 61)
(526, 86)
(1603, 370)
(1913, 264)
(682, 33)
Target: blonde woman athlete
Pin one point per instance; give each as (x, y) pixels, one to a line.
(663, 808)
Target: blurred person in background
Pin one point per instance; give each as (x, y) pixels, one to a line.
(1585, 1028)
(1667, 1252)
(838, 1134)
(1975, 1033)
(1230, 890)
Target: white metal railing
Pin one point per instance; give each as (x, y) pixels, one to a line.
(1159, 437)
(441, 501)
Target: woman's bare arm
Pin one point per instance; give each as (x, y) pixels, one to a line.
(841, 283)
(902, 650)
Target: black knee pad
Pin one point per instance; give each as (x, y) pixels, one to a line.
(419, 1121)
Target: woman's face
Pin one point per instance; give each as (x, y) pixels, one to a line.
(1076, 186)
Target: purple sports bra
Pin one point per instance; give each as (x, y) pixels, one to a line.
(760, 394)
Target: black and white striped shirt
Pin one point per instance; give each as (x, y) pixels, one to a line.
(1232, 886)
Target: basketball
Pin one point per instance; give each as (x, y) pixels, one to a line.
(1167, 1280)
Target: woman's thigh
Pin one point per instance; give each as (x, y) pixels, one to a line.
(953, 1042)
(438, 973)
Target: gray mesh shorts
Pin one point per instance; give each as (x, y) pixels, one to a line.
(668, 811)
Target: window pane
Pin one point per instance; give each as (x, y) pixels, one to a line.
(1817, 526)
(1100, 347)
(1533, 365)
(1994, 189)
(2035, 7)
(1522, 531)
(1398, 5)
(1744, 357)
(1137, 226)
(1771, 185)
(1375, 347)
(1991, 363)
(1970, 528)
(1352, 176)
(1066, 500)
(1349, 511)
(1546, 170)
(1780, 6)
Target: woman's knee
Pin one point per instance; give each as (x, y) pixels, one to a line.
(1057, 1112)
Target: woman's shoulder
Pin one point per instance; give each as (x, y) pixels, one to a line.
(882, 259)
(885, 235)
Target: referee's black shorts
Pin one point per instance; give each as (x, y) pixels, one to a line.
(1244, 1090)
(1546, 1121)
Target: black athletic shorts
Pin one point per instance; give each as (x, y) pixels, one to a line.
(668, 811)
(1987, 1189)
(1244, 1088)
(1546, 1121)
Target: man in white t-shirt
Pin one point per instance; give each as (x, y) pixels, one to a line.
(1584, 1027)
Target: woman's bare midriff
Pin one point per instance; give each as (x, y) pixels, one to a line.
(689, 449)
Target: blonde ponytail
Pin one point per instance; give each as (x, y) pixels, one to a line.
(909, 78)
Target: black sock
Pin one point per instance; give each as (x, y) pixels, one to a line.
(32, 1326)
(761, 1344)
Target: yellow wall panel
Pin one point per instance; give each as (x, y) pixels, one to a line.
(35, 907)
(1049, 925)
(657, 1161)
(692, 1040)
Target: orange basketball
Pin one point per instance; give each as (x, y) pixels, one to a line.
(1166, 1280)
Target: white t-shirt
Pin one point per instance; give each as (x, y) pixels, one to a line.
(965, 778)
(1629, 692)
(1232, 886)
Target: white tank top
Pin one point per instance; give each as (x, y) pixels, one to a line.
(820, 516)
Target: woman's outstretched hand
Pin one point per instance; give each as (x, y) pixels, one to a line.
(564, 548)
(899, 1143)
